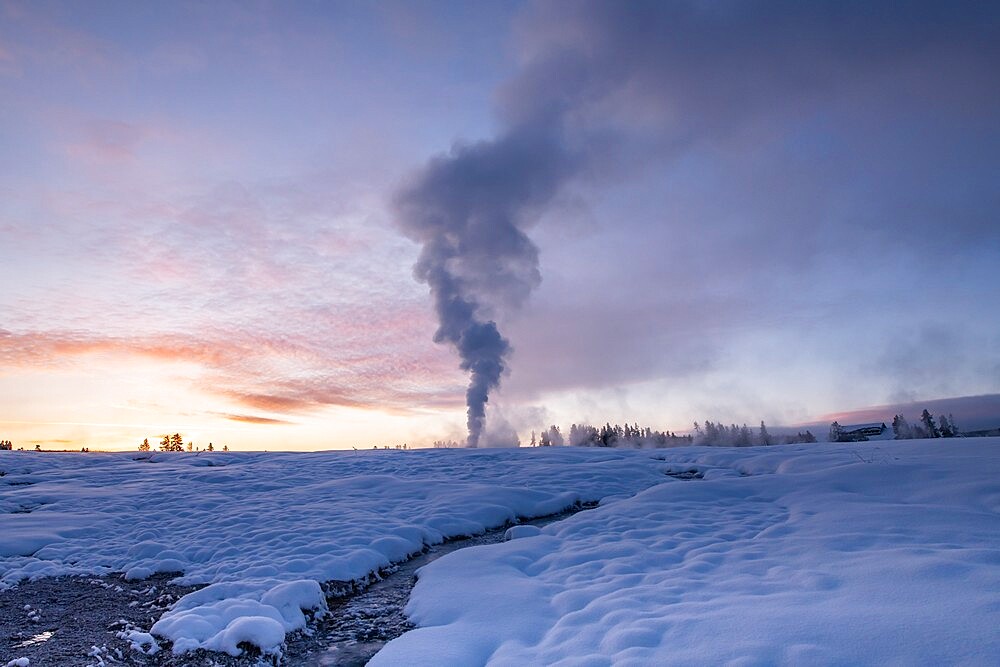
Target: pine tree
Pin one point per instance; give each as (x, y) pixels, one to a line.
(607, 435)
(711, 433)
(210, 447)
(765, 437)
(225, 448)
(144, 447)
(945, 427)
(835, 432)
(928, 421)
(176, 443)
(165, 444)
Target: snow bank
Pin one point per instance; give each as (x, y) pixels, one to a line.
(804, 554)
(220, 617)
(265, 528)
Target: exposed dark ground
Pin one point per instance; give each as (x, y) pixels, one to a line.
(76, 621)
(68, 621)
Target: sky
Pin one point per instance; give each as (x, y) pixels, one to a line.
(251, 222)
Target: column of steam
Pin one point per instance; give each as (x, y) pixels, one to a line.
(465, 208)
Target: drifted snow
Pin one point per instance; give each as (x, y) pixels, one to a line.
(863, 553)
(263, 529)
(220, 616)
(812, 554)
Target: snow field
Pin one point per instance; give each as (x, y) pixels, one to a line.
(858, 554)
(265, 529)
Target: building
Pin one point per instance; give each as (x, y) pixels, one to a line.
(861, 432)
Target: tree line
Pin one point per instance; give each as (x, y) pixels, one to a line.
(175, 443)
(743, 436)
(634, 435)
(169, 443)
(926, 427)
(707, 433)
(614, 435)
(945, 427)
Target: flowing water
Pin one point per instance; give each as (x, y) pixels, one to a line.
(76, 620)
(361, 624)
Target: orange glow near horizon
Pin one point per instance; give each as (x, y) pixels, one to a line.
(113, 400)
(335, 429)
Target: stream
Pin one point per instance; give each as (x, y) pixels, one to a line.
(359, 625)
(75, 620)
(59, 620)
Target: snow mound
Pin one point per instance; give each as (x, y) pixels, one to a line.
(220, 617)
(815, 554)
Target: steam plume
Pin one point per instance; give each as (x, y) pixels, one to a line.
(605, 89)
(467, 209)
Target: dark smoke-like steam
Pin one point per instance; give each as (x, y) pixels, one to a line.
(467, 209)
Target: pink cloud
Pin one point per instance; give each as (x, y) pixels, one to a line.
(280, 374)
(255, 419)
(295, 398)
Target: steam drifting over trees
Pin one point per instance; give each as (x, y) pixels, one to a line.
(629, 435)
(945, 427)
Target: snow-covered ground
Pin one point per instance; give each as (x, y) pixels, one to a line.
(265, 528)
(799, 555)
(866, 553)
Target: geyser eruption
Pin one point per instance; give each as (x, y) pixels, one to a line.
(479, 343)
(467, 209)
(608, 89)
